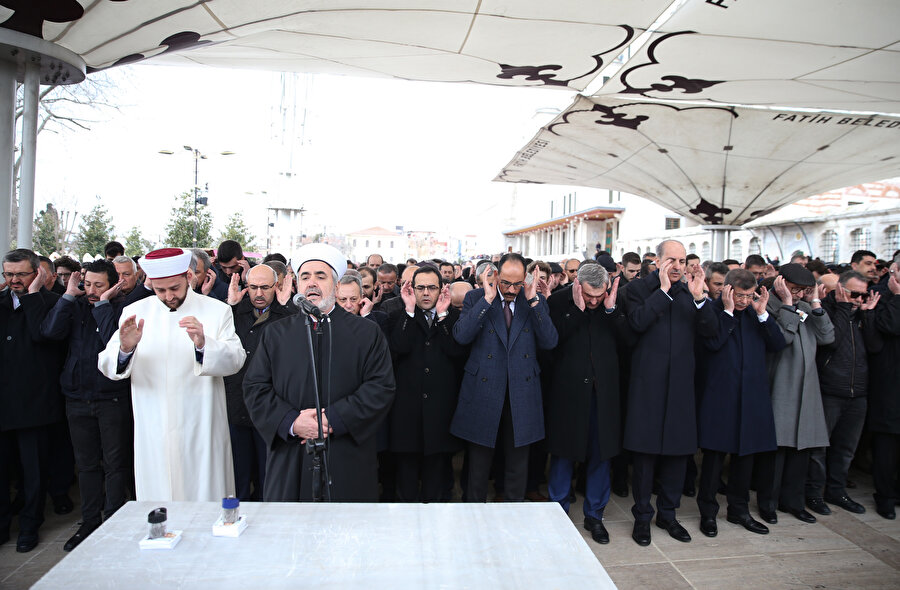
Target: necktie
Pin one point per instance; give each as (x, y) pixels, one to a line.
(507, 313)
(429, 317)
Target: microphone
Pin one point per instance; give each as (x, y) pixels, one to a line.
(308, 306)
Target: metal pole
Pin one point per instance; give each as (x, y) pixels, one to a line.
(29, 154)
(7, 148)
(196, 188)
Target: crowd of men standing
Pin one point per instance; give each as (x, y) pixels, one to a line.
(183, 375)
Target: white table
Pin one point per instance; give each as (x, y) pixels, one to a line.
(315, 546)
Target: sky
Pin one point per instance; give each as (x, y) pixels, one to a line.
(372, 152)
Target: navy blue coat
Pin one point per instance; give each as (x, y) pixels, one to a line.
(499, 361)
(735, 410)
(662, 414)
(87, 329)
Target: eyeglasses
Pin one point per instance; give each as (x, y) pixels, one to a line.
(796, 290)
(743, 296)
(259, 287)
(17, 275)
(508, 285)
(858, 295)
(429, 288)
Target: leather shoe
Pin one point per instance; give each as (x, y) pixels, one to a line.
(818, 506)
(26, 542)
(621, 490)
(641, 533)
(536, 497)
(799, 514)
(709, 527)
(80, 535)
(749, 523)
(689, 492)
(598, 531)
(887, 513)
(675, 530)
(768, 517)
(62, 504)
(847, 504)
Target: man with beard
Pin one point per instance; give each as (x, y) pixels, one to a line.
(176, 370)
(98, 409)
(349, 361)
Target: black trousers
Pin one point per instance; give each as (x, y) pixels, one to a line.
(30, 447)
(100, 430)
(828, 467)
(738, 486)
(248, 454)
(670, 472)
(61, 469)
(431, 469)
(782, 477)
(515, 471)
(886, 469)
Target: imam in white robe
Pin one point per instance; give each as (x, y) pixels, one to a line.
(182, 447)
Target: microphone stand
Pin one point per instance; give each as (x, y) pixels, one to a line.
(321, 481)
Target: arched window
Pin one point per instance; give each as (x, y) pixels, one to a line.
(704, 252)
(891, 240)
(692, 248)
(736, 250)
(860, 239)
(829, 247)
(754, 246)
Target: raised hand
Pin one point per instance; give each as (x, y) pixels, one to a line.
(489, 282)
(871, 302)
(38, 281)
(759, 306)
(610, 301)
(235, 293)
(408, 296)
(72, 286)
(194, 330)
(841, 294)
(893, 283)
(443, 302)
(284, 292)
(728, 298)
(112, 291)
(245, 267)
(377, 292)
(130, 334)
(665, 283)
(578, 295)
(697, 285)
(209, 281)
(782, 291)
(365, 306)
(531, 289)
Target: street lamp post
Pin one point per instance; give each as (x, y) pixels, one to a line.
(197, 198)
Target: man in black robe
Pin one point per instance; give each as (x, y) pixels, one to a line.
(355, 379)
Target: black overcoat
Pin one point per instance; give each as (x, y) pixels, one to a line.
(428, 371)
(585, 359)
(884, 368)
(734, 412)
(279, 382)
(661, 417)
(30, 363)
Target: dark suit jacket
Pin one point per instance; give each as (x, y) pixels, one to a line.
(501, 362)
(428, 374)
(661, 417)
(30, 363)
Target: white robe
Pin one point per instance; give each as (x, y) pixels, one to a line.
(182, 446)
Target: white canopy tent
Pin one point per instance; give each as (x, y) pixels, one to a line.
(560, 45)
(826, 55)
